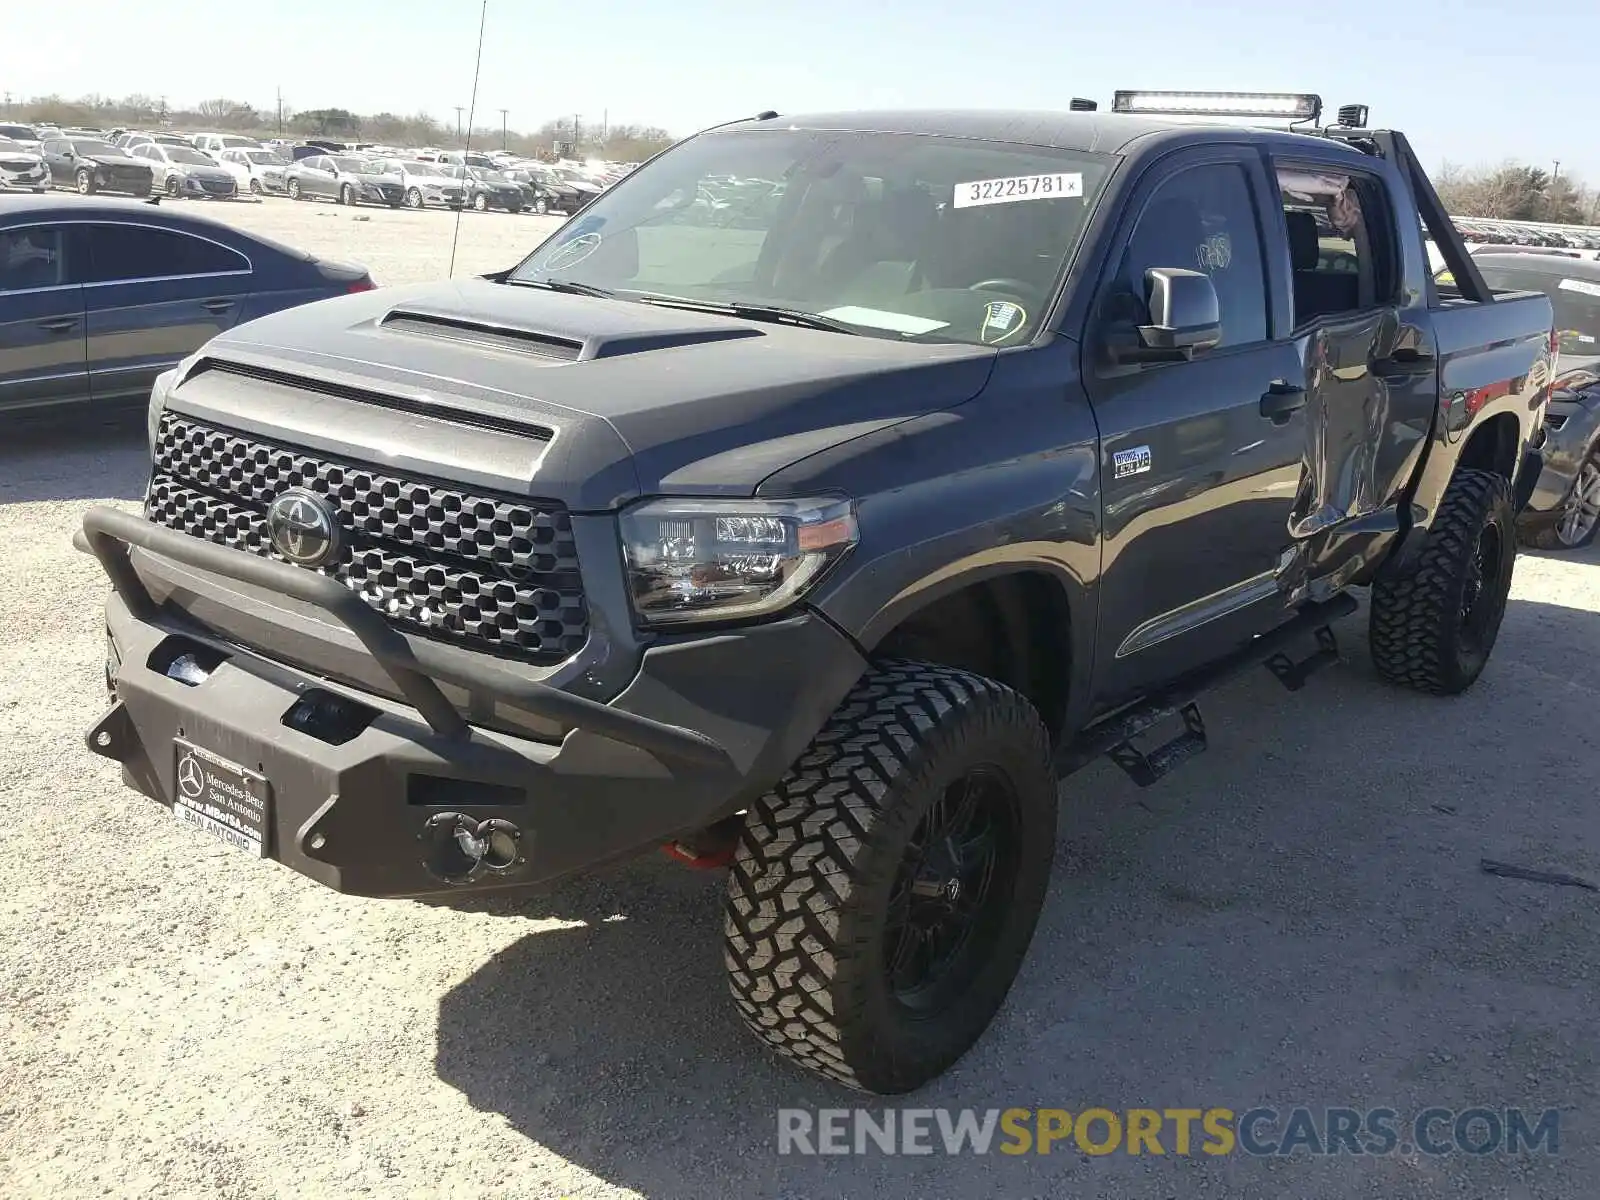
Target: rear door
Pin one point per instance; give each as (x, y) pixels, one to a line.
(153, 296)
(1363, 332)
(42, 357)
(1200, 460)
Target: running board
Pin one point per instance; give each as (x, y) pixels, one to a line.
(1113, 735)
(1293, 673)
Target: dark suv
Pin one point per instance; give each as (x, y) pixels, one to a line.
(821, 543)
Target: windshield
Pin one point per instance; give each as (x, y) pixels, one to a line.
(486, 176)
(892, 235)
(18, 131)
(193, 157)
(91, 147)
(1576, 302)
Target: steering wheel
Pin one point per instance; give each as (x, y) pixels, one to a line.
(1015, 287)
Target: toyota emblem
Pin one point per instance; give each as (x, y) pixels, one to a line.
(303, 528)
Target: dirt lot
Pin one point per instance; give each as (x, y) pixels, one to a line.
(1296, 919)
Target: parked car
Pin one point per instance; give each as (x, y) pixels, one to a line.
(215, 143)
(256, 171)
(22, 168)
(1564, 511)
(461, 158)
(426, 183)
(97, 298)
(185, 173)
(345, 179)
(487, 189)
(822, 553)
(93, 166)
(24, 135)
(542, 193)
(586, 187)
(132, 141)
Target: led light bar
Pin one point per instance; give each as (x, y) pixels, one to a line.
(1291, 106)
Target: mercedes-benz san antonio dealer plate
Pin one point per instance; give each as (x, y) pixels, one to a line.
(224, 799)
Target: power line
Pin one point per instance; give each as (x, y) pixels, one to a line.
(472, 112)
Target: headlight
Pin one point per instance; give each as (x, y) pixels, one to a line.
(720, 560)
(158, 400)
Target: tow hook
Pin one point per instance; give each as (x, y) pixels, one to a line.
(113, 735)
(710, 848)
(460, 849)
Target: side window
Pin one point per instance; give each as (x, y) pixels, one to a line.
(1202, 219)
(1341, 245)
(121, 252)
(32, 258)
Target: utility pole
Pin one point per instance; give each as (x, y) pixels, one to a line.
(459, 111)
(605, 124)
(280, 112)
(577, 135)
(503, 112)
(8, 103)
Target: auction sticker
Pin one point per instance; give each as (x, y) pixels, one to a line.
(224, 799)
(1013, 188)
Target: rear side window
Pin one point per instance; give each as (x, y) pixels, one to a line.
(123, 252)
(32, 258)
(1202, 219)
(1341, 245)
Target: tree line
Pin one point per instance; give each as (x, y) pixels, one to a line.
(1514, 191)
(626, 142)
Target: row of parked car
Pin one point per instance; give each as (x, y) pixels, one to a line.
(225, 166)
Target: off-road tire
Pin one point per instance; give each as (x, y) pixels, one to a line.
(173, 187)
(541, 206)
(1418, 633)
(808, 893)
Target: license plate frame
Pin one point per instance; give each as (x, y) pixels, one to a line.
(223, 798)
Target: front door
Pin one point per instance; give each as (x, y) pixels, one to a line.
(41, 320)
(152, 297)
(1201, 461)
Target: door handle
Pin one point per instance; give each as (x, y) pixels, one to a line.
(59, 324)
(1403, 359)
(1281, 399)
(217, 306)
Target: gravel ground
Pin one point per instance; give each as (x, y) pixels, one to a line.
(1297, 918)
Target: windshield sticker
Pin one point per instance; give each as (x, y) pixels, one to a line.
(877, 318)
(1001, 319)
(573, 252)
(1580, 285)
(1017, 187)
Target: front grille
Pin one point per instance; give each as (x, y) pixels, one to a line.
(390, 192)
(486, 572)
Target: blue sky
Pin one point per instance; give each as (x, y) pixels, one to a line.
(1471, 81)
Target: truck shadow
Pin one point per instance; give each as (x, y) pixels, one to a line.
(99, 457)
(1208, 897)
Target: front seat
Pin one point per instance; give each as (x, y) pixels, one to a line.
(1317, 293)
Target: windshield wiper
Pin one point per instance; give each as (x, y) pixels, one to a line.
(751, 312)
(570, 287)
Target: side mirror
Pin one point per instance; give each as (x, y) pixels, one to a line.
(1185, 317)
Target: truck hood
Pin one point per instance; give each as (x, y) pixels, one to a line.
(590, 401)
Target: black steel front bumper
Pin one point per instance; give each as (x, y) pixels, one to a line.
(704, 727)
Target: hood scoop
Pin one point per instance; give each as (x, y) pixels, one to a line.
(478, 333)
(637, 332)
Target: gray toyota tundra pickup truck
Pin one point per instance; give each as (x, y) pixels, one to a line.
(815, 523)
